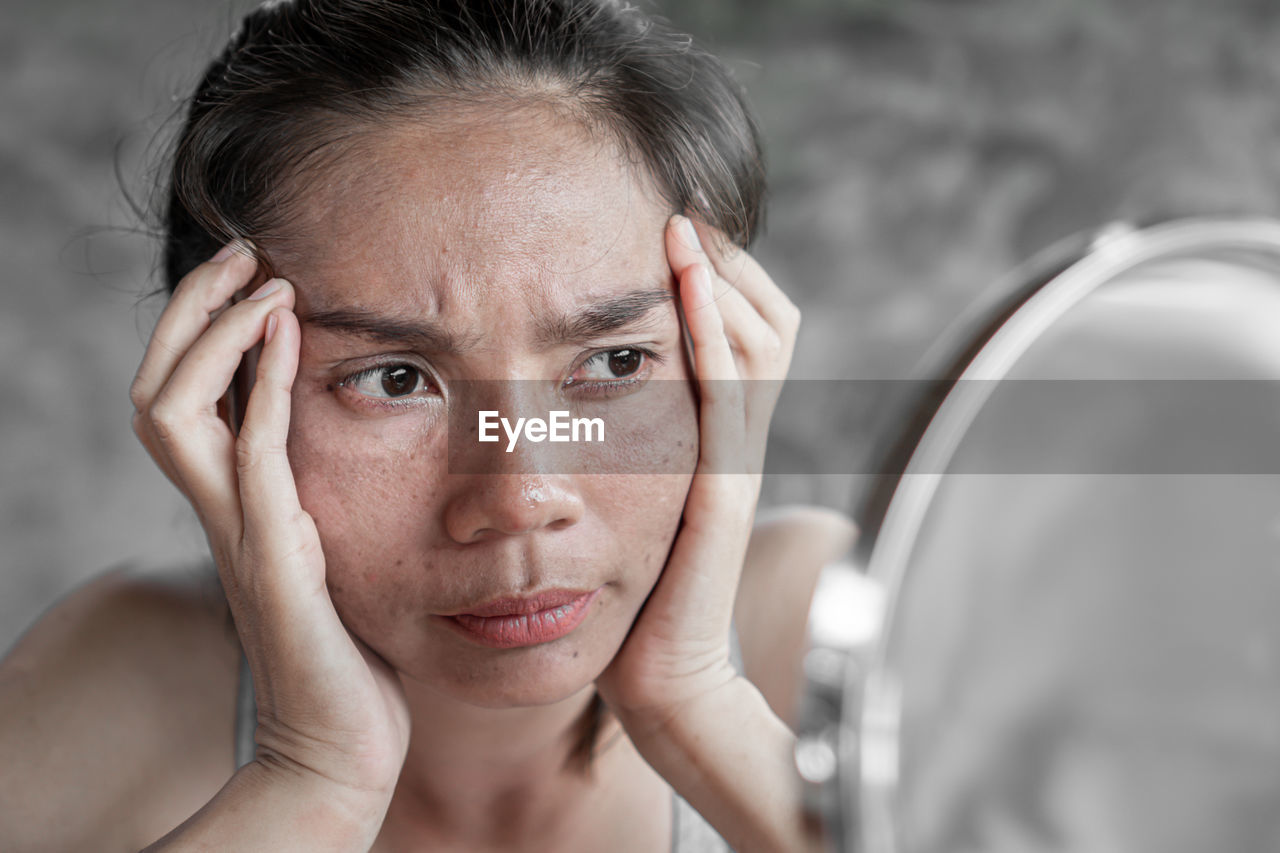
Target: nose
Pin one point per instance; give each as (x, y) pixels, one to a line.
(488, 506)
(500, 489)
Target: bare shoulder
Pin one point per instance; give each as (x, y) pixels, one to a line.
(115, 713)
(788, 548)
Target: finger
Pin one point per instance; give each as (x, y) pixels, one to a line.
(684, 251)
(275, 524)
(750, 335)
(185, 411)
(683, 245)
(200, 293)
(717, 509)
(280, 578)
(720, 388)
(736, 266)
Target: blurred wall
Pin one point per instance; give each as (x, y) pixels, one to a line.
(918, 148)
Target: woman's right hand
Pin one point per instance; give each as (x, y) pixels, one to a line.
(332, 715)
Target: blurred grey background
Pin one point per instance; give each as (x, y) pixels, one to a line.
(918, 150)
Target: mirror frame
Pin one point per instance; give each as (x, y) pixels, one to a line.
(847, 749)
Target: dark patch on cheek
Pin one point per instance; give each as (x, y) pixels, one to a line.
(330, 387)
(575, 653)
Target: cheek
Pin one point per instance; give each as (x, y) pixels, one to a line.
(654, 445)
(654, 431)
(651, 519)
(371, 487)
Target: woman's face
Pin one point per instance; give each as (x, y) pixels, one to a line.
(506, 262)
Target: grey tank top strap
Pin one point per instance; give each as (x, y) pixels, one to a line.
(690, 832)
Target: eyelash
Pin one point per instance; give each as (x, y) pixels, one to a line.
(593, 389)
(607, 389)
(372, 372)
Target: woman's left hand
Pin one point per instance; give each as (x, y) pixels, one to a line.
(743, 331)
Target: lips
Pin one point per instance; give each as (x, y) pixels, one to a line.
(511, 623)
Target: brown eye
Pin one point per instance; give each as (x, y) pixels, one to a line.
(624, 362)
(390, 382)
(399, 381)
(613, 371)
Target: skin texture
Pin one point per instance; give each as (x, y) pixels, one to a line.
(552, 220)
(346, 527)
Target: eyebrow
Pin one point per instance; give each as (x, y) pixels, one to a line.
(602, 318)
(418, 335)
(583, 324)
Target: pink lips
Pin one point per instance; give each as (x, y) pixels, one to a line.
(511, 623)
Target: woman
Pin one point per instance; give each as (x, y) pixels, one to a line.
(414, 214)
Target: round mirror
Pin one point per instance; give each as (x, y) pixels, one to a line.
(1060, 629)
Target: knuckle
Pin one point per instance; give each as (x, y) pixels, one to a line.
(768, 341)
(166, 424)
(248, 456)
(763, 342)
(304, 549)
(138, 396)
(161, 343)
(141, 424)
(789, 315)
(161, 348)
(252, 448)
(793, 313)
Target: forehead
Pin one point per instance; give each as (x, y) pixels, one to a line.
(525, 204)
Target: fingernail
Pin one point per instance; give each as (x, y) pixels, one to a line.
(224, 253)
(690, 234)
(266, 289)
(272, 322)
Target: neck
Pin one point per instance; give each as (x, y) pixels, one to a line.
(473, 771)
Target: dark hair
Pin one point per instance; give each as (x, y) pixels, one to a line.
(301, 83)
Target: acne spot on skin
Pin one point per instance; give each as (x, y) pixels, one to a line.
(379, 488)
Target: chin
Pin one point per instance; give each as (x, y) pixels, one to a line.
(509, 670)
(446, 662)
(525, 677)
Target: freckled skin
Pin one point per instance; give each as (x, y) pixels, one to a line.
(486, 224)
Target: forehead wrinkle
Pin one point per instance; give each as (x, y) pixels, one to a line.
(436, 221)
